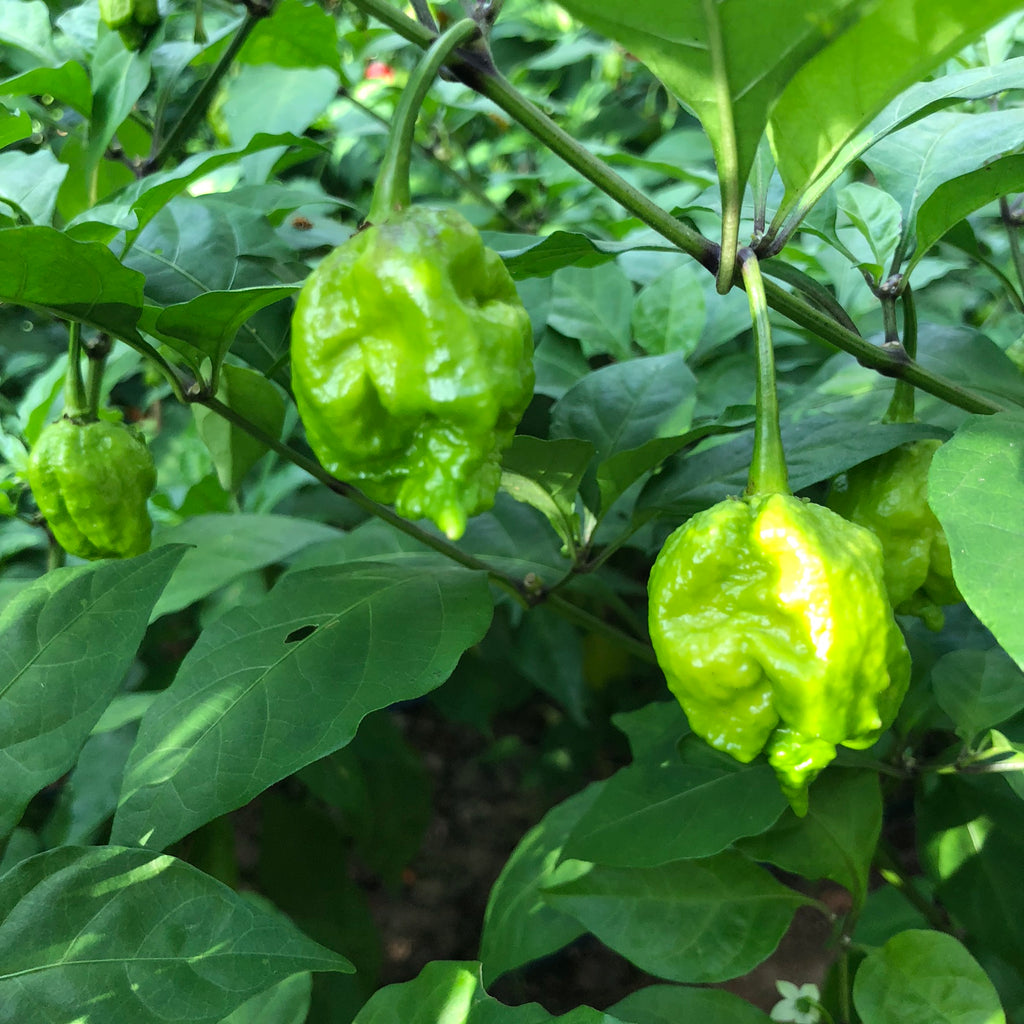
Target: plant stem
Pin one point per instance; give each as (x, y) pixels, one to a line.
(1013, 236)
(196, 110)
(391, 192)
(76, 403)
(516, 587)
(464, 180)
(795, 308)
(768, 465)
(901, 408)
(845, 1009)
(885, 860)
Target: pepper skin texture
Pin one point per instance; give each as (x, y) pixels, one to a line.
(889, 495)
(133, 19)
(91, 482)
(412, 364)
(770, 620)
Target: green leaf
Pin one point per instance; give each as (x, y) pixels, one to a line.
(133, 207)
(915, 161)
(25, 26)
(927, 977)
(891, 46)
(286, 1003)
(637, 819)
(68, 83)
(976, 489)
(817, 448)
(694, 920)
(674, 1004)
(519, 925)
(970, 358)
(972, 847)
(836, 839)
(234, 451)
(296, 35)
(626, 404)
(978, 689)
(953, 200)
(271, 687)
(728, 62)
(875, 216)
(42, 269)
(670, 313)
(541, 257)
(68, 639)
(30, 182)
(449, 992)
(617, 474)
(594, 306)
(119, 78)
(136, 939)
(547, 475)
(14, 127)
(915, 102)
(226, 547)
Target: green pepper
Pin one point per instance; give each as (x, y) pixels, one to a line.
(889, 496)
(91, 481)
(133, 19)
(770, 619)
(412, 365)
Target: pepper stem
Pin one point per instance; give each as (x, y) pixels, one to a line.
(768, 466)
(76, 403)
(391, 192)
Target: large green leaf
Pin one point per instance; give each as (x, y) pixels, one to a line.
(838, 92)
(224, 547)
(914, 162)
(920, 99)
(926, 977)
(127, 937)
(972, 848)
(648, 814)
(836, 839)
(976, 488)
(674, 1004)
(694, 920)
(42, 269)
(68, 639)
(519, 926)
(449, 992)
(271, 687)
(728, 62)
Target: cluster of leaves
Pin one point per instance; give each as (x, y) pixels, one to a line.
(174, 198)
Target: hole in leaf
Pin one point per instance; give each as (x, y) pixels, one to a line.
(299, 634)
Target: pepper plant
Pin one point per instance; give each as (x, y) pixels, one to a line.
(732, 290)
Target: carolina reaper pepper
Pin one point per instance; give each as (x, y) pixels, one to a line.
(770, 619)
(133, 19)
(412, 365)
(91, 482)
(889, 495)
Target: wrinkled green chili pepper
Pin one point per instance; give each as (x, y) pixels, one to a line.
(91, 482)
(889, 495)
(769, 614)
(770, 619)
(412, 354)
(412, 365)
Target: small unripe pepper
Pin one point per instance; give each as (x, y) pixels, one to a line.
(770, 619)
(133, 19)
(412, 365)
(889, 495)
(91, 481)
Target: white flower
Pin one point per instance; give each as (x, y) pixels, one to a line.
(798, 1005)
